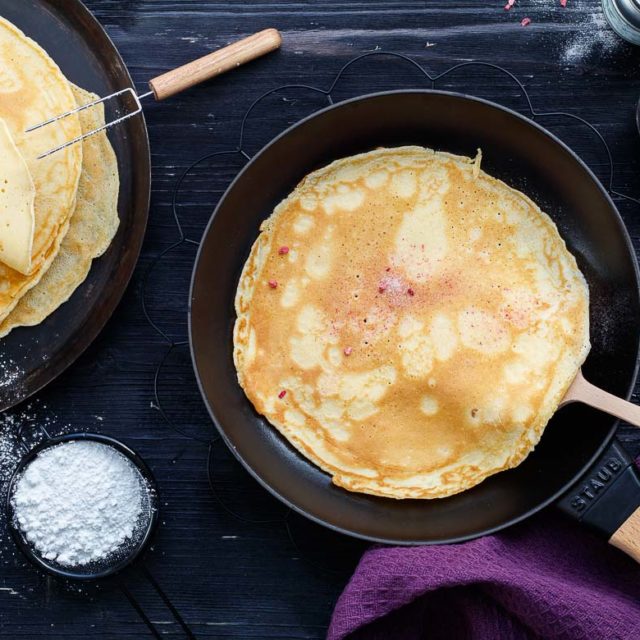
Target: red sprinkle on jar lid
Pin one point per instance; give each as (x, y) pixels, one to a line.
(411, 292)
(283, 250)
(273, 284)
(282, 394)
(509, 4)
(525, 22)
(348, 351)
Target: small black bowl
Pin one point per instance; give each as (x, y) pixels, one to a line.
(89, 572)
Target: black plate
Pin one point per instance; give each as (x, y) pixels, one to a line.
(31, 357)
(515, 150)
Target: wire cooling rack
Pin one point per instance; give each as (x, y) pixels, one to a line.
(285, 516)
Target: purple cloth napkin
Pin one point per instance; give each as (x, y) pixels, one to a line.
(545, 578)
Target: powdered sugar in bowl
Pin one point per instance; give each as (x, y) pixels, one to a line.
(82, 505)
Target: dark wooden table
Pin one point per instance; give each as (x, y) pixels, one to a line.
(228, 575)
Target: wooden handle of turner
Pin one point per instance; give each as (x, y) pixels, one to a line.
(213, 64)
(627, 536)
(587, 393)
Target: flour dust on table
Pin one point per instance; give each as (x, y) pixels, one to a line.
(19, 429)
(588, 31)
(594, 37)
(10, 450)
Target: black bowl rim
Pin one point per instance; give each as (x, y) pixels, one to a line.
(371, 96)
(133, 457)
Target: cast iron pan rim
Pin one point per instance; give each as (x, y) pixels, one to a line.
(133, 457)
(264, 483)
(85, 338)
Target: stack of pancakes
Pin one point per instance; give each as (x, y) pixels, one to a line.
(409, 323)
(76, 190)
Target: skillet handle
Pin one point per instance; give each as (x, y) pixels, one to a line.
(607, 499)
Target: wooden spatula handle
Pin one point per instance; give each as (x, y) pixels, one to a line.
(213, 64)
(587, 393)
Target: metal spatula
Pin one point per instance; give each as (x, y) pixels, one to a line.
(177, 80)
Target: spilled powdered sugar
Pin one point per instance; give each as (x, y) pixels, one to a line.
(594, 37)
(34, 419)
(10, 450)
(11, 376)
(590, 35)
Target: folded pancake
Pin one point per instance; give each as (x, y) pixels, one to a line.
(33, 89)
(17, 195)
(409, 323)
(91, 229)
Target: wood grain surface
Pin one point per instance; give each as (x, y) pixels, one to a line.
(230, 577)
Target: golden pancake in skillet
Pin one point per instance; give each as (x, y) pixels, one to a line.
(409, 323)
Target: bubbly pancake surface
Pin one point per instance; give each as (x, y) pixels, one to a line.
(409, 323)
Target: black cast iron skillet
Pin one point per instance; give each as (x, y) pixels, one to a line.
(526, 157)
